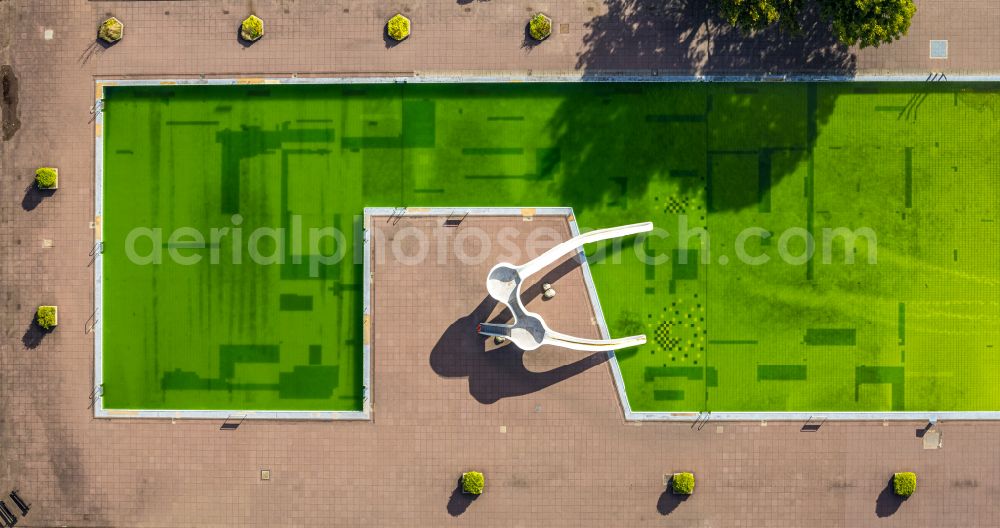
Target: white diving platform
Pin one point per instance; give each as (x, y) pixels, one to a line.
(529, 330)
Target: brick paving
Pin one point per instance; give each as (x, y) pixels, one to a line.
(566, 457)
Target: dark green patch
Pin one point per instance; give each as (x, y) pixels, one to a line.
(711, 377)
(831, 337)
(315, 354)
(296, 303)
(668, 395)
(230, 355)
(902, 324)
(781, 372)
(684, 264)
(308, 382)
(879, 375)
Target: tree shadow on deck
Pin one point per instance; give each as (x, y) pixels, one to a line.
(615, 143)
(494, 375)
(685, 37)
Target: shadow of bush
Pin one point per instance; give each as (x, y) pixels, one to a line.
(669, 502)
(888, 502)
(34, 335)
(459, 502)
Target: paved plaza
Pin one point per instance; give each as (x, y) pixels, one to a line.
(546, 427)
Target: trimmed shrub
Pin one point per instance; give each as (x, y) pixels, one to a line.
(682, 483)
(473, 482)
(904, 484)
(252, 28)
(46, 178)
(111, 30)
(398, 27)
(540, 26)
(46, 317)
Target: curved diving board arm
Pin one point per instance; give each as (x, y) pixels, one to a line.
(591, 345)
(537, 264)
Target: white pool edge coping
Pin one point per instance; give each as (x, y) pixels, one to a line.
(515, 77)
(366, 412)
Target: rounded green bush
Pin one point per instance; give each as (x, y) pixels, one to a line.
(540, 26)
(111, 30)
(473, 482)
(904, 484)
(46, 177)
(252, 28)
(46, 317)
(398, 27)
(682, 483)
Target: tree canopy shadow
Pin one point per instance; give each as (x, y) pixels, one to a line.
(888, 502)
(94, 48)
(723, 145)
(493, 375)
(8, 102)
(627, 135)
(685, 37)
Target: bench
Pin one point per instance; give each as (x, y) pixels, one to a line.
(19, 502)
(8, 517)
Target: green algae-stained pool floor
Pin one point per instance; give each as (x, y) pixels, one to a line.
(919, 330)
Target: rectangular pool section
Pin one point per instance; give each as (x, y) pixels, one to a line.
(746, 180)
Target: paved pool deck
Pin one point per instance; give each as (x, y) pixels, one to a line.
(566, 458)
(591, 37)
